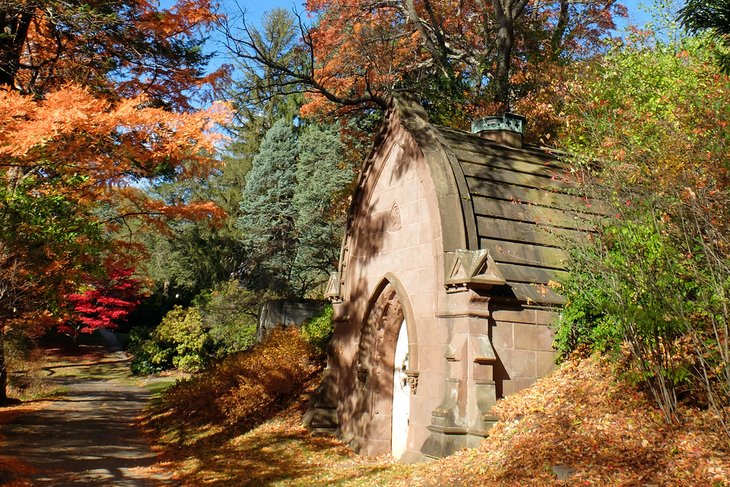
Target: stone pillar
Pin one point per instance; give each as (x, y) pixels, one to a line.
(464, 417)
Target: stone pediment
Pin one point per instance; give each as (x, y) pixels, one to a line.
(471, 269)
(332, 292)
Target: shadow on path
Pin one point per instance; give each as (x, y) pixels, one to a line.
(88, 436)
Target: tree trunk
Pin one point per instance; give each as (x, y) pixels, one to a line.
(557, 39)
(3, 368)
(505, 38)
(506, 12)
(14, 27)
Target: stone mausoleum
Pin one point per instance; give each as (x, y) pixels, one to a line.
(444, 294)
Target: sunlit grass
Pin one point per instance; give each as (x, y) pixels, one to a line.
(159, 385)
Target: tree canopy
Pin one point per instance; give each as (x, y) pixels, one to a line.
(96, 100)
(476, 56)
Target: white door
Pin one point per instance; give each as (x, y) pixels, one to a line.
(401, 395)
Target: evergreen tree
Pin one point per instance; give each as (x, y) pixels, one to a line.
(267, 214)
(255, 92)
(711, 16)
(322, 175)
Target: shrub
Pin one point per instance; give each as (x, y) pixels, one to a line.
(143, 350)
(645, 290)
(319, 329)
(247, 387)
(230, 315)
(221, 321)
(179, 341)
(655, 114)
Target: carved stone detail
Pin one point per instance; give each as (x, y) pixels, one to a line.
(471, 269)
(394, 219)
(412, 380)
(482, 350)
(333, 287)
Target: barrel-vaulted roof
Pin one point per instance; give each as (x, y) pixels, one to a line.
(517, 204)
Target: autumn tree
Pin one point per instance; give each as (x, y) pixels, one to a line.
(117, 48)
(652, 283)
(46, 240)
(466, 52)
(95, 98)
(104, 304)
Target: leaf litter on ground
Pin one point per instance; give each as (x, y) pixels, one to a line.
(578, 426)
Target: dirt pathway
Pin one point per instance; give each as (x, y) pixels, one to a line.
(87, 436)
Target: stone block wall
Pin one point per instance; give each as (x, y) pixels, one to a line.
(397, 238)
(522, 339)
(285, 313)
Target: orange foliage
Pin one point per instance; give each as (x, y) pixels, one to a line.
(72, 132)
(596, 431)
(137, 43)
(359, 51)
(86, 153)
(247, 388)
(374, 48)
(95, 99)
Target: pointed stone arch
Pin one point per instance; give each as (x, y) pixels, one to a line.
(388, 310)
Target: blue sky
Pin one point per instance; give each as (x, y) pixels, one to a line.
(255, 9)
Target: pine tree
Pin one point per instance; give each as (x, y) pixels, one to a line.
(267, 214)
(322, 176)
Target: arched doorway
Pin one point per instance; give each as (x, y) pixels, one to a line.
(401, 395)
(383, 359)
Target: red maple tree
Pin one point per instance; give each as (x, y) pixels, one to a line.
(104, 305)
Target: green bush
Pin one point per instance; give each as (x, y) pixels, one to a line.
(220, 322)
(179, 341)
(143, 349)
(319, 329)
(626, 281)
(640, 290)
(230, 315)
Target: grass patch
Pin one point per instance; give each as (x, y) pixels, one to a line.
(156, 386)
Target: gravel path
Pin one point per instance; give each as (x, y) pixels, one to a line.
(87, 436)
